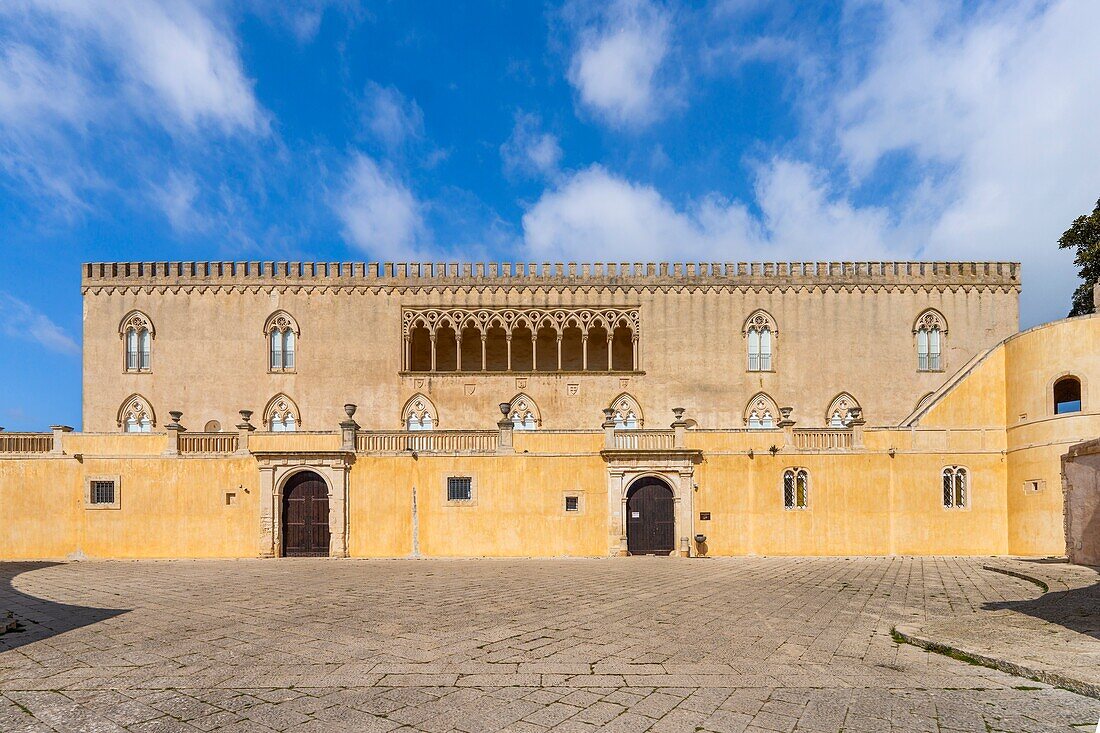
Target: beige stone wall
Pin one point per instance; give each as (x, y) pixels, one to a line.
(841, 327)
(1082, 501)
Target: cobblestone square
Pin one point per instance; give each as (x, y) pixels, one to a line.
(639, 644)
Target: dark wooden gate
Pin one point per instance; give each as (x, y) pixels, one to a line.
(650, 518)
(305, 516)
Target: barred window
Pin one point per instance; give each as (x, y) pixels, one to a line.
(796, 488)
(572, 503)
(460, 488)
(102, 492)
(955, 487)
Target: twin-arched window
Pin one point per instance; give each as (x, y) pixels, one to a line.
(282, 335)
(796, 488)
(761, 413)
(626, 413)
(759, 332)
(137, 334)
(419, 414)
(281, 415)
(136, 416)
(930, 330)
(955, 487)
(523, 413)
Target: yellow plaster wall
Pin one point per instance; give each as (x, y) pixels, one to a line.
(169, 507)
(859, 504)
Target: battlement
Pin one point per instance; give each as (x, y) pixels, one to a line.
(98, 275)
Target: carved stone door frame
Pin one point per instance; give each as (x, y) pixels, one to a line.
(676, 467)
(276, 468)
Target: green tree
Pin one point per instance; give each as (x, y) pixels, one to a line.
(1084, 236)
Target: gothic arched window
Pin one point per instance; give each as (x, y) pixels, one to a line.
(931, 331)
(282, 336)
(137, 335)
(626, 413)
(281, 415)
(523, 413)
(760, 332)
(761, 413)
(419, 414)
(136, 416)
(842, 411)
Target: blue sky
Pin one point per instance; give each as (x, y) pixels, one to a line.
(633, 130)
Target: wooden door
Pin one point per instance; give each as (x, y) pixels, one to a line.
(305, 516)
(650, 518)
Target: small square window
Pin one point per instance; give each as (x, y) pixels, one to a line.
(572, 503)
(460, 488)
(1034, 486)
(103, 492)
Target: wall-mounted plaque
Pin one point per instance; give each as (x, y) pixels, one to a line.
(704, 516)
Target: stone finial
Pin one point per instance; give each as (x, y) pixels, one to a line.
(244, 428)
(504, 408)
(678, 413)
(608, 418)
(174, 429)
(348, 428)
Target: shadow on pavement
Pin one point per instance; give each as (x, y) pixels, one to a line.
(40, 618)
(1077, 609)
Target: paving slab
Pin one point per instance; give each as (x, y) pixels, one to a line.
(635, 644)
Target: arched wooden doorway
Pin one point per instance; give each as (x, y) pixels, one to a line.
(650, 517)
(305, 516)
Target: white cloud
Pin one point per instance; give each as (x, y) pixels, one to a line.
(617, 59)
(389, 116)
(529, 150)
(22, 321)
(999, 109)
(380, 214)
(176, 62)
(597, 216)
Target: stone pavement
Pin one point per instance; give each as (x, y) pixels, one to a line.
(1054, 638)
(638, 644)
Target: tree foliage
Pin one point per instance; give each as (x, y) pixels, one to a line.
(1084, 236)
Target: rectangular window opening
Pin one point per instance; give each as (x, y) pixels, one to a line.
(460, 488)
(572, 503)
(103, 492)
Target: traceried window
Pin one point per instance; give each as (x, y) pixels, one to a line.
(1067, 395)
(282, 415)
(282, 336)
(135, 415)
(956, 487)
(796, 488)
(137, 334)
(930, 331)
(761, 413)
(419, 414)
(842, 411)
(523, 413)
(759, 333)
(626, 413)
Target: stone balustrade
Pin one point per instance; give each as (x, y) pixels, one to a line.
(427, 441)
(208, 442)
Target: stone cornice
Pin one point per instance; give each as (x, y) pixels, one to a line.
(432, 278)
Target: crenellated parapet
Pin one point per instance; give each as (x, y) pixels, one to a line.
(188, 276)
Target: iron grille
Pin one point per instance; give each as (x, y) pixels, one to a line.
(572, 503)
(459, 488)
(103, 492)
